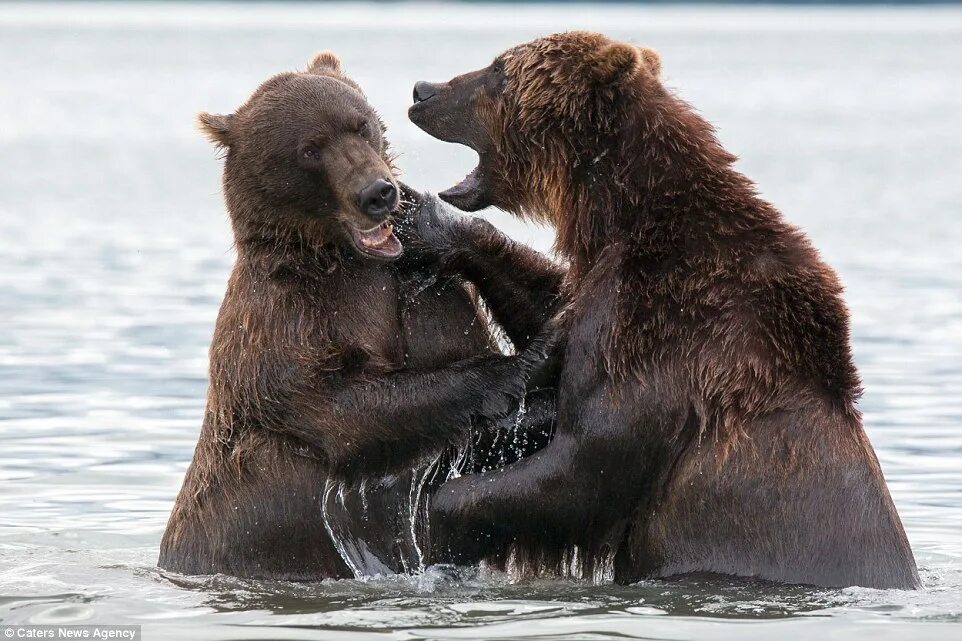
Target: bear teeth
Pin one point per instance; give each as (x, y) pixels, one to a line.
(377, 236)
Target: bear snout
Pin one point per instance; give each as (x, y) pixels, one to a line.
(424, 90)
(378, 199)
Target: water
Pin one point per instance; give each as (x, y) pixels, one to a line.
(114, 250)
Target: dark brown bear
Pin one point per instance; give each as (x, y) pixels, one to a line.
(333, 371)
(707, 416)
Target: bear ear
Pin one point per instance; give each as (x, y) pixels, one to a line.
(617, 62)
(216, 127)
(651, 60)
(324, 62)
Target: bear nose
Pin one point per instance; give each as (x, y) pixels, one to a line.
(424, 90)
(378, 199)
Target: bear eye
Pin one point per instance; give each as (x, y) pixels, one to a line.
(311, 152)
(363, 127)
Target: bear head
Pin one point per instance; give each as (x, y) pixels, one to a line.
(307, 153)
(539, 114)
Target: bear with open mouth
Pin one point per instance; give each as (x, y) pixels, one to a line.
(345, 381)
(707, 417)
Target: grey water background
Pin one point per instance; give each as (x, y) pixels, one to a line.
(114, 252)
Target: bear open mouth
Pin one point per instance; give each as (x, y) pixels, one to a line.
(468, 194)
(379, 241)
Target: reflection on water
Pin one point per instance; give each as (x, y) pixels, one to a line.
(115, 250)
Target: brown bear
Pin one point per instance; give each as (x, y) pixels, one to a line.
(707, 416)
(337, 373)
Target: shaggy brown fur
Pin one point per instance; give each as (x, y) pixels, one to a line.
(326, 365)
(707, 417)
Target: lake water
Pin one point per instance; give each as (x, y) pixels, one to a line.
(114, 252)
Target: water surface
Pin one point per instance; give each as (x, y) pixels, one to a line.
(114, 252)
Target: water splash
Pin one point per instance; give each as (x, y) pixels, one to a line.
(339, 521)
(415, 515)
(574, 562)
(378, 526)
